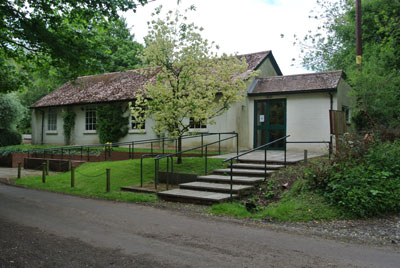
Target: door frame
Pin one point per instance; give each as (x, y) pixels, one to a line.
(268, 127)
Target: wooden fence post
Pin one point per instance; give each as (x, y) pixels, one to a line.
(44, 173)
(108, 180)
(19, 170)
(72, 177)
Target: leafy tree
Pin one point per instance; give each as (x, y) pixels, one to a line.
(11, 112)
(42, 75)
(332, 46)
(192, 82)
(62, 30)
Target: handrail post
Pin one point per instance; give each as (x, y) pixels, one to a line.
(133, 150)
(155, 173)
(167, 174)
(219, 143)
(88, 153)
(129, 150)
(81, 152)
(205, 168)
(202, 144)
(237, 144)
(62, 153)
(172, 164)
(163, 144)
(231, 179)
(141, 172)
(151, 147)
(285, 153)
(265, 163)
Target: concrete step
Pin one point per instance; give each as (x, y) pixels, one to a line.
(257, 166)
(226, 179)
(198, 197)
(217, 187)
(243, 172)
(261, 161)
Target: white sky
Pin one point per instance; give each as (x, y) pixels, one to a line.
(242, 26)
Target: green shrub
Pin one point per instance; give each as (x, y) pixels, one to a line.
(9, 137)
(364, 185)
(69, 124)
(111, 123)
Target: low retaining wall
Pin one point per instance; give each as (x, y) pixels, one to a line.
(12, 160)
(175, 178)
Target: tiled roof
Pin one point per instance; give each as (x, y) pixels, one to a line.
(325, 81)
(118, 86)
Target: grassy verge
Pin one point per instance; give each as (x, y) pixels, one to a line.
(90, 179)
(292, 203)
(291, 208)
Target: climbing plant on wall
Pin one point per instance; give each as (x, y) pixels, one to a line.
(112, 125)
(69, 123)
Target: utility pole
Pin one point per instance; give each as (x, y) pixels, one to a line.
(358, 35)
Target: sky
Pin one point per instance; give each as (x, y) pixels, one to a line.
(242, 26)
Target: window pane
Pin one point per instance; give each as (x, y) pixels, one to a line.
(52, 119)
(277, 113)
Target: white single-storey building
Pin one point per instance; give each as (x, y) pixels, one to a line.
(275, 106)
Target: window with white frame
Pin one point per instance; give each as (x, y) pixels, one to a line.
(52, 120)
(196, 124)
(136, 124)
(90, 118)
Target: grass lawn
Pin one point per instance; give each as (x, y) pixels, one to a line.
(90, 178)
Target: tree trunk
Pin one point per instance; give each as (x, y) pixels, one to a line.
(179, 161)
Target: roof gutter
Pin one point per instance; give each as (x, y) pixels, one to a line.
(329, 90)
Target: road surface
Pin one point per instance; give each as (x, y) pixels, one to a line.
(166, 238)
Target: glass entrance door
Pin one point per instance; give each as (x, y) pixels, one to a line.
(270, 122)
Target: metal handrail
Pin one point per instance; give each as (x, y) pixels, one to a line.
(168, 156)
(141, 169)
(195, 148)
(255, 149)
(108, 147)
(265, 146)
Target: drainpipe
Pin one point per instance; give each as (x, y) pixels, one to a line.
(42, 132)
(330, 135)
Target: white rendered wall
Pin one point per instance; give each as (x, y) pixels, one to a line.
(307, 119)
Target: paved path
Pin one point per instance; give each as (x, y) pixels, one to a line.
(175, 240)
(271, 156)
(9, 173)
